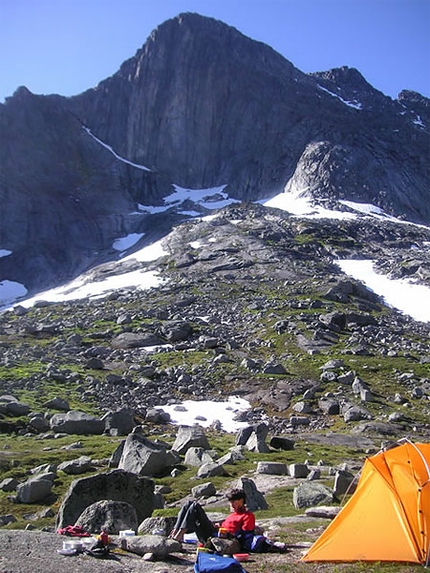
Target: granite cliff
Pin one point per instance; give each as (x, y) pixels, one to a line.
(200, 106)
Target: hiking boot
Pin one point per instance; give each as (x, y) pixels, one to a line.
(278, 547)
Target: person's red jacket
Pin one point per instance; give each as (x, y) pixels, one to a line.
(241, 520)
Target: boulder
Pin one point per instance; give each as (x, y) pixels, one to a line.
(211, 469)
(17, 409)
(343, 483)
(76, 422)
(39, 423)
(162, 525)
(243, 435)
(298, 470)
(146, 458)
(57, 403)
(281, 443)
(188, 437)
(272, 468)
(257, 440)
(116, 485)
(234, 455)
(254, 498)
(203, 490)
(9, 484)
(323, 511)
(35, 489)
(78, 466)
(310, 493)
(135, 340)
(197, 457)
(119, 423)
(110, 516)
(157, 416)
(159, 545)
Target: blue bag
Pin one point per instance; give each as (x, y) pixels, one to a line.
(210, 562)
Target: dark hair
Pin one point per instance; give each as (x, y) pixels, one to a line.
(236, 494)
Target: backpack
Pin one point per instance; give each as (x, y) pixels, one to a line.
(210, 562)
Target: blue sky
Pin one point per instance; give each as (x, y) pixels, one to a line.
(67, 46)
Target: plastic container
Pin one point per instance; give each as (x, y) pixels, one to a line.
(126, 533)
(241, 556)
(88, 542)
(222, 532)
(73, 544)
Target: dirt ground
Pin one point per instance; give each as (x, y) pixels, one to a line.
(36, 552)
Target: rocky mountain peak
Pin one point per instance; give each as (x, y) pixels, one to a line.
(199, 106)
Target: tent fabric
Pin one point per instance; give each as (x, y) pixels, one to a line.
(388, 516)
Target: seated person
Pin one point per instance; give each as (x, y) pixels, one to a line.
(240, 525)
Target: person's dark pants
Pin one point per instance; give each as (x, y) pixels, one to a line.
(193, 518)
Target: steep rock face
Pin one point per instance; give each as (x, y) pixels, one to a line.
(205, 105)
(64, 198)
(199, 105)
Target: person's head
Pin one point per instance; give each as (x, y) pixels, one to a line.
(237, 498)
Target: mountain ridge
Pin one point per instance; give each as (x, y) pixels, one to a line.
(199, 105)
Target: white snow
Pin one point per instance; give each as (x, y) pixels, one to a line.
(149, 253)
(209, 411)
(125, 243)
(412, 299)
(5, 253)
(354, 104)
(10, 291)
(409, 298)
(418, 121)
(82, 288)
(79, 289)
(366, 208)
(209, 198)
(298, 204)
(109, 148)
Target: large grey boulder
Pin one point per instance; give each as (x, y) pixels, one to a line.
(78, 466)
(119, 423)
(272, 468)
(76, 422)
(254, 499)
(343, 483)
(9, 484)
(116, 485)
(146, 458)
(203, 490)
(257, 440)
(310, 493)
(197, 457)
(135, 340)
(281, 443)
(188, 437)
(211, 469)
(17, 409)
(110, 516)
(35, 489)
(159, 545)
(163, 525)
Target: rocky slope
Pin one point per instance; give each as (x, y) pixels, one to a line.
(253, 304)
(199, 105)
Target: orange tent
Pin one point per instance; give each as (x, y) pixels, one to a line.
(388, 516)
